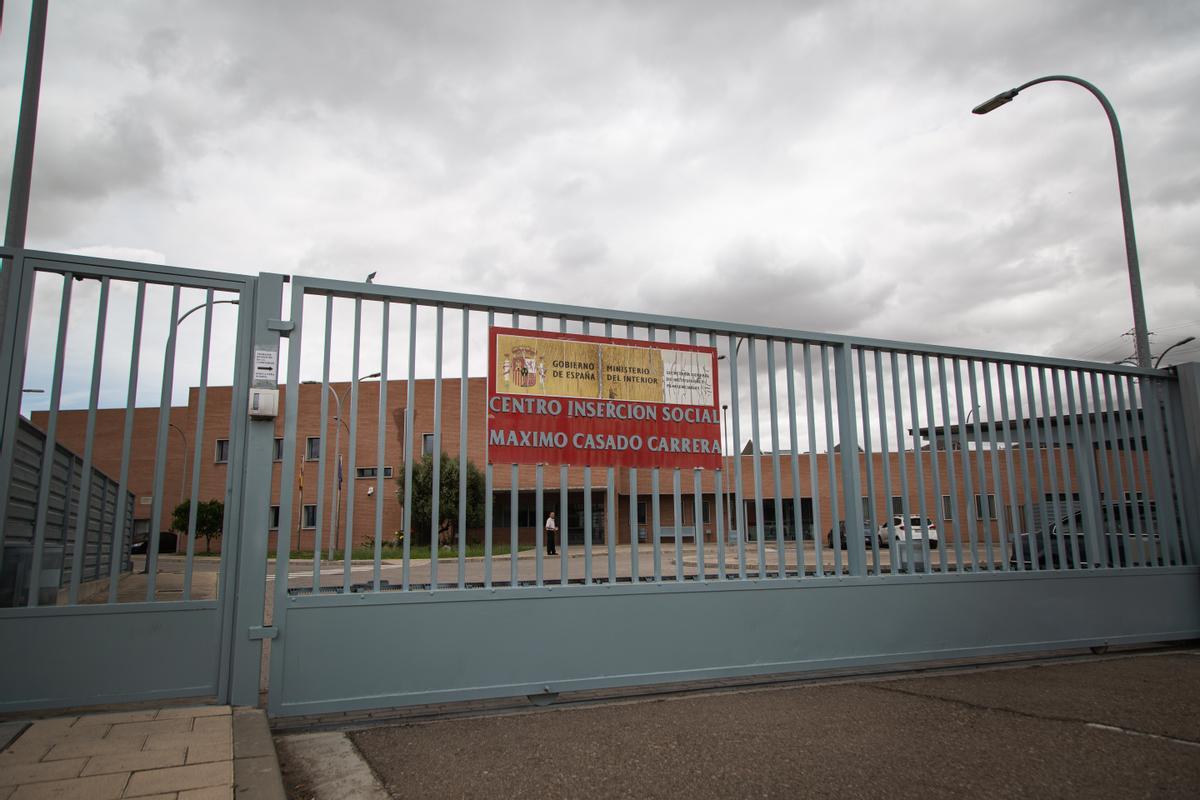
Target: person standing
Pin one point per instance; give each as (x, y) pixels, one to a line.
(551, 528)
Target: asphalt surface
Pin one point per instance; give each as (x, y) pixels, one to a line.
(1121, 726)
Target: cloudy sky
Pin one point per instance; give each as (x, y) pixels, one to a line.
(810, 165)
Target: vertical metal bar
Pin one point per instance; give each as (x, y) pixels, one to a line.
(776, 471)
(1128, 493)
(922, 507)
(756, 451)
(1064, 463)
(1113, 478)
(885, 451)
(848, 426)
(656, 523)
(123, 512)
(463, 464)
(1009, 471)
(564, 504)
(538, 517)
(869, 459)
(85, 483)
(830, 456)
(698, 521)
(322, 461)
(587, 506)
(16, 293)
(677, 521)
(794, 433)
(381, 444)
(966, 461)
(1143, 484)
(1042, 473)
(739, 510)
(1053, 474)
(633, 526)
(1026, 468)
(514, 504)
(1085, 469)
(1160, 471)
(611, 523)
(287, 471)
(410, 454)
(901, 462)
(985, 533)
(933, 463)
(1131, 440)
(1099, 436)
(194, 496)
(1180, 466)
(951, 469)
(160, 458)
(814, 487)
(352, 451)
(436, 485)
(989, 407)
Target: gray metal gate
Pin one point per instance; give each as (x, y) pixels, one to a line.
(91, 615)
(863, 434)
(988, 502)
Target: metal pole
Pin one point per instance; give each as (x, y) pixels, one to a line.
(729, 483)
(183, 469)
(337, 476)
(22, 173)
(1141, 333)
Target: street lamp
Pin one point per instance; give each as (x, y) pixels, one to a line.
(335, 517)
(183, 468)
(1141, 332)
(1158, 360)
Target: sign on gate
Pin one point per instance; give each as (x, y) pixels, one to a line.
(558, 398)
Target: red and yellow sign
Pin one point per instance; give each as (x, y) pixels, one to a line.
(562, 398)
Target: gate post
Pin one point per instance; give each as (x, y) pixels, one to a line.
(1185, 396)
(251, 489)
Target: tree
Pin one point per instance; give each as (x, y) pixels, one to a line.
(210, 519)
(422, 497)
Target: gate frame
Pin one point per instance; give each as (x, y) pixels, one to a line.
(71, 648)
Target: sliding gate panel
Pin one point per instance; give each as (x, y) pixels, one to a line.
(868, 502)
(115, 479)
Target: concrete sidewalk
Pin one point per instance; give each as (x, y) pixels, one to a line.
(193, 753)
(1118, 726)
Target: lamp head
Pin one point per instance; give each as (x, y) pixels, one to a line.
(995, 102)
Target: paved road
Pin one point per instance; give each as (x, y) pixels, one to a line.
(1117, 727)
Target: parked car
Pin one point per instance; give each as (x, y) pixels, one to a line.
(868, 532)
(917, 528)
(1119, 521)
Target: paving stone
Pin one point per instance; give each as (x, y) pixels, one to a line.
(213, 725)
(134, 762)
(17, 774)
(201, 753)
(169, 741)
(194, 711)
(177, 779)
(95, 787)
(208, 793)
(6, 792)
(28, 753)
(124, 730)
(116, 717)
(93, 747)
(252, 734)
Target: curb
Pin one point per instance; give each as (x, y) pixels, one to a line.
(255, 764)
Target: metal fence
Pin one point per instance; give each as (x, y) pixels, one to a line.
(842, 434)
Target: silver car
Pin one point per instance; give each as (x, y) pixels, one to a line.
(917, 528)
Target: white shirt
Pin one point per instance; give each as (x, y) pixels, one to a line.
(551, 525)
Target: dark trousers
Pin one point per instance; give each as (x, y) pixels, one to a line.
(550, 542)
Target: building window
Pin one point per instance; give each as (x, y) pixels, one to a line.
(427, 443)
(947, 506)
(897, 504)
(222, 452)
(310, 516)
(372, 472)
(1133, 496)
(991, 506)
(277, 452)
(641, 512)
(312, 448)
(273, 517)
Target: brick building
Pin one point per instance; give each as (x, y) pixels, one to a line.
(946, 500)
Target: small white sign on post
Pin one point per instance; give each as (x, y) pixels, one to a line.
(266, 369)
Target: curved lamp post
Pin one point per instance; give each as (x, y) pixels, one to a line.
(1158, 360)
(1142, 336)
